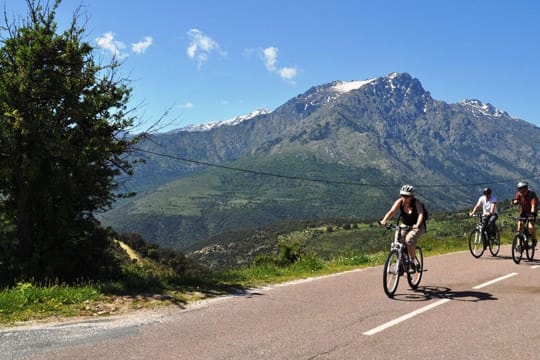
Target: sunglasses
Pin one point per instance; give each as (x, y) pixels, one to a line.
(406, 196)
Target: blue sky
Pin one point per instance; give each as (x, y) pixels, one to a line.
(208, 60)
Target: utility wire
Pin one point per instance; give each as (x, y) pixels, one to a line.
(338, 182)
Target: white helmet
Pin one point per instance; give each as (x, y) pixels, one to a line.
(406, 190)
(522, 184)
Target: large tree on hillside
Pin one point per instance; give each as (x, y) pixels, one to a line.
(62, 143)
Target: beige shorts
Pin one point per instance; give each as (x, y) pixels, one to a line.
(411, 236)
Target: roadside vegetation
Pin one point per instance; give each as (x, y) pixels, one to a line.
(166, 277)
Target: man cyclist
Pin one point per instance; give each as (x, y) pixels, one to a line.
(488, 202)
(412, 214)
(528, 201)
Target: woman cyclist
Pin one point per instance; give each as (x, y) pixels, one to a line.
(412, 214)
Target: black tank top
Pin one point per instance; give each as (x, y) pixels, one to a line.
(412, 218)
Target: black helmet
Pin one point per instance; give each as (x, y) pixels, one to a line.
(486, 191)
(406, 190)
(522, 184)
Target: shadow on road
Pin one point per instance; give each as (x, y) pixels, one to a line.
(509, 257)
(425, 293)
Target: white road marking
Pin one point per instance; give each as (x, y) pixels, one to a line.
(405, 317)
(428, 307)
(494, 281)
(535, 266)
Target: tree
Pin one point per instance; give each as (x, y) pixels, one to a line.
(63, 144)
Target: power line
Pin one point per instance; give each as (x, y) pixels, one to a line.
(337, 182)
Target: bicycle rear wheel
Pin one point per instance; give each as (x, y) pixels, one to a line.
(476, 243)
(391, 273)
(530, 250)
(495, 243)
(414, 278)
(517, 248)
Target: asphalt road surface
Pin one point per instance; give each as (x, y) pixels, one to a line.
(464, 308)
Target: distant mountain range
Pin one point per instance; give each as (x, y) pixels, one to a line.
(215, 124)
(340, 149)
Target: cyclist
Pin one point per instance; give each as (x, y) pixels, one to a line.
(528, 201)
(488, 202)
(412, 214)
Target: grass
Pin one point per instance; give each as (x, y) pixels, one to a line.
(27, 301)
(149, 284)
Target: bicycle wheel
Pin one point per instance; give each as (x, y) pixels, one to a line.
(391, 273)
(517, 248)
(529, 249)
(476, 244)
(495, 243)
(414, 278)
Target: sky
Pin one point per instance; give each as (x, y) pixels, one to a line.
(198, 61)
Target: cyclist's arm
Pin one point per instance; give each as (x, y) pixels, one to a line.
(473, 211)
(420, 211)
(492, 208)
(393, 210)
(516, 199)
(533, 206)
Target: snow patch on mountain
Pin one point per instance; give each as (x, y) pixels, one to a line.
(230, 122)
(342, 87)
(479, 108)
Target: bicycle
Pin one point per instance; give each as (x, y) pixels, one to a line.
(480, 240)
(522, 241)
(398, 263)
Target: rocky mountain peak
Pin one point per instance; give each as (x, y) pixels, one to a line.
(479, 108)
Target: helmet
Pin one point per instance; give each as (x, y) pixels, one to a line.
(406, 190)
(486, 191)
(522, 184)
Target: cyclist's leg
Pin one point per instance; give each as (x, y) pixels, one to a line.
(411, 238)
(532, 231)
(491, 224)
(520, 226)
(485, 222)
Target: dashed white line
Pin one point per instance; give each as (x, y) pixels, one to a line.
(494, 281)
(428, 307)
(405, 317)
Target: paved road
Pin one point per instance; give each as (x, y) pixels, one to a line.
(465, 308)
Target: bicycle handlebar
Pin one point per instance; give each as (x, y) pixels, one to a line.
(392, 226)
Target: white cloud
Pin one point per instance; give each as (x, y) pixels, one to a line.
(287, 73)
(115, 47)
(187, 105)
(201, 46)
(141, 46)
(270, 58)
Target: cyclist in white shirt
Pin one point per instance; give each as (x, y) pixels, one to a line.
(488, 202)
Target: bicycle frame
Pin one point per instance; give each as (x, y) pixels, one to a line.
(396, 264)
(479, 240)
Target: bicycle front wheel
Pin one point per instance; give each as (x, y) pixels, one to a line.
(476, 243)
(495, 243)
(517, 248)
(391, 273)
(414, 278)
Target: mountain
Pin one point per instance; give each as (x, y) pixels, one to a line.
(341, 149)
